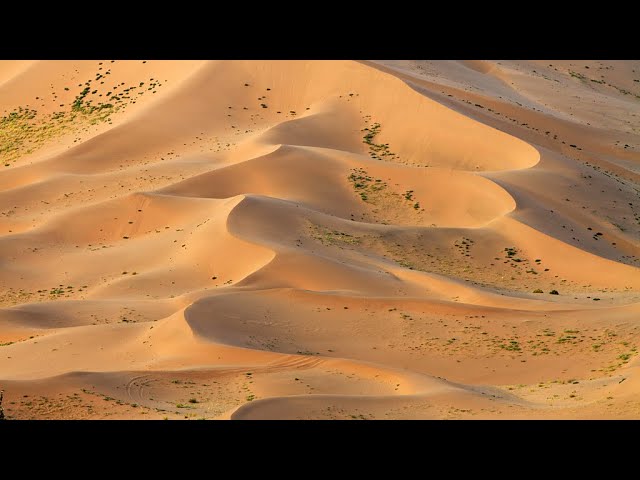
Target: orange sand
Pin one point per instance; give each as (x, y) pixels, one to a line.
(319, 239)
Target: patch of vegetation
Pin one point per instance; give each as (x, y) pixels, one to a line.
(333, 237)
(16, 130)
(376, 191)
(377, 150)
(364, 184)
(24, 130)
(512, 346)
(568, 337)
(405, 264)
(577, 75)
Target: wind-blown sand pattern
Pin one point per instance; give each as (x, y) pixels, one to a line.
(319, 239)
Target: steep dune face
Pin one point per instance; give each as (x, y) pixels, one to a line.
(318, 239)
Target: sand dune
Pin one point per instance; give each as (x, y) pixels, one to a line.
(319, 239)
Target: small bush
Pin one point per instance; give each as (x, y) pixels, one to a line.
(537, 290)
(554, 292)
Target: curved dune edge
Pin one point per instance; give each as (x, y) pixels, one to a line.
(404, 389)
(252, 262)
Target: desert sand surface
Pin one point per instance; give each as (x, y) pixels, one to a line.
(320, 239)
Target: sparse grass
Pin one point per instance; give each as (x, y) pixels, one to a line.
(567, 339)
(378, 151)
(404, 263)
(376, 192)
(512, 346)
(332, 237)
(24, 130)
(577, 75)
(365, 185)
